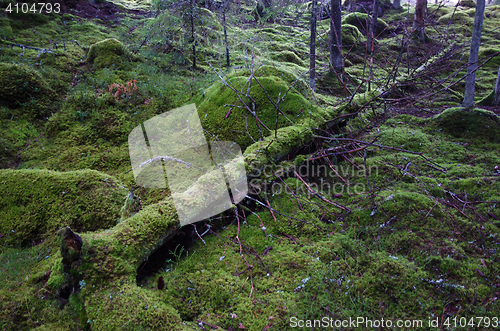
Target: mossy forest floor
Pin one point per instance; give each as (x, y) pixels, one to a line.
(382, 206)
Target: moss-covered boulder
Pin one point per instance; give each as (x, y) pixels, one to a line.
(287, 56)
(36, 203)
(223, 114)
(478, 124)
(23, 86)
(467, 3)
(362, 22)
(463, 19)
(110, 53)
(351, 35)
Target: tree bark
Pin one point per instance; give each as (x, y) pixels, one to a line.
(418, 22)
(192, 33)
(336, 35)
(312, 47)
(396, 4)
(496, 95)
(373, 26)
(224, 9)
(473, 55)
(262, 5)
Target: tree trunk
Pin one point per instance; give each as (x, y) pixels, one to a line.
(312, 47)
(267, 3)
(224, 9)
(260, 9)
(192, 33)
(418, 22)
(473, 55)
(396, 4)
(496, 95)
(370, 44)
(373, 26)
(336, 35)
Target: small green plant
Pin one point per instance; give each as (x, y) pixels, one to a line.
(177, 255)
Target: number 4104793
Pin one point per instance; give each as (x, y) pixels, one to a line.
(25, 8)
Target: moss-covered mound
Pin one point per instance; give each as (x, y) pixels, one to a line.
(22, 86)
(494, 63)
(139, 309)
(287, 56)
(467, 3)
(109, 53)
(362, 22)
(223, 114)
(351, 35)
(35, 203)
(474, 123)
(462, 18)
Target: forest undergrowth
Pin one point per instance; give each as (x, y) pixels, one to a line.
(373, 197)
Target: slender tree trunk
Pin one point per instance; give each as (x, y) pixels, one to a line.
(474, 54)
(396, 4)
(496, 96)
(224, 9)
(267, 3)
(370, 44)
(336, 35)
(192, 33)
(312, 47)
(418, 22)
(373, 26)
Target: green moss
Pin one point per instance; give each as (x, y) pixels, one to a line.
(461, 19)
(438, 11)
(240, 125)
(383, 258)
(110, 53)
(477, 123)
(467, 3)
(377, 277)
(5, 29)
(36, 203)
(494, 63)
(287, 56)
(21, 86)
(351, 36)
(361, 21)
(57, 277)
(125, 306)
(78, 305)
(118, 252)
(131, 206)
